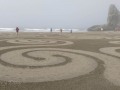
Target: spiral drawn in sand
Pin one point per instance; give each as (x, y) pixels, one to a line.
(40, 42)
(43, 64)
(32, 64)
(29, 63)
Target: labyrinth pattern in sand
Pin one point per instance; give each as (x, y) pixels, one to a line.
(31, 63)
(40, 42)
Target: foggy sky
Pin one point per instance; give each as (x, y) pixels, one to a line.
(54, 13)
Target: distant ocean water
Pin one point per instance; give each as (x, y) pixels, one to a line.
(40, 30)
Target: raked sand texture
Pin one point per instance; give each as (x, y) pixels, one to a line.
(60, 61)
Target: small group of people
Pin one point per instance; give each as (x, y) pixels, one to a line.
(61, 30)
(51, 30)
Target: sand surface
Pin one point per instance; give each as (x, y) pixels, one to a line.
(60, 61)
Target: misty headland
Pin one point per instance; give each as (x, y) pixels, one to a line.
(113, 21)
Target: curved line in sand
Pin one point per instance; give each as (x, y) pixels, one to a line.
(40, 42)
(79, 65)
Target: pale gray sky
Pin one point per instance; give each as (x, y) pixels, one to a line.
(54, 13)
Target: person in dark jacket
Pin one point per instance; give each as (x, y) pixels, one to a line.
(17, 30)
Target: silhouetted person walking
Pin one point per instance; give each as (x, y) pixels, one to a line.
(51, 30)
(61, 30)
(17, 30)
(71, 31)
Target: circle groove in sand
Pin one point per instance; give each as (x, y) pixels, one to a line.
(113, 71)
(77, 64)
(7, 60)
(69, 70)
(40, 42)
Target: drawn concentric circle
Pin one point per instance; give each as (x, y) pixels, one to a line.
(52, 64)
(40, 42)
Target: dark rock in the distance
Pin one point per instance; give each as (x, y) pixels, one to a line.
(113, 20)
(95, 28)
(113, 16)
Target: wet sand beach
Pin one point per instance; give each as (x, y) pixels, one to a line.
(60, 61)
